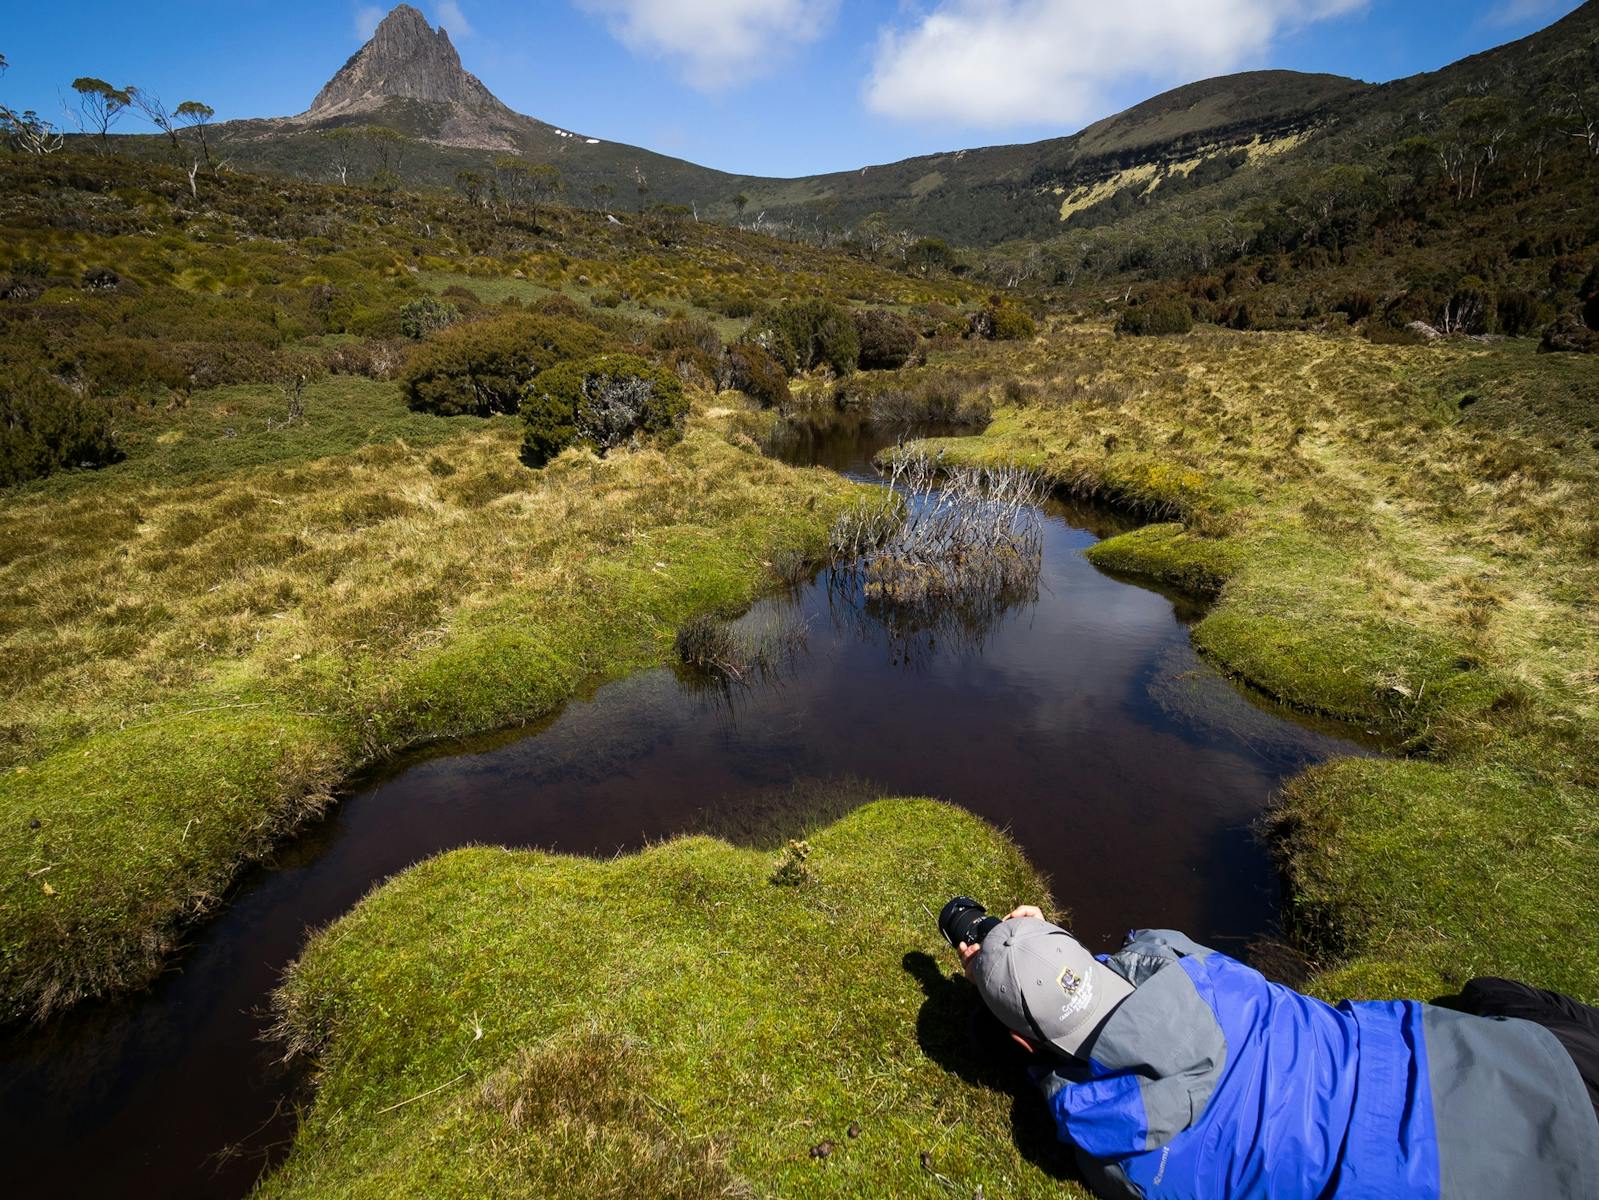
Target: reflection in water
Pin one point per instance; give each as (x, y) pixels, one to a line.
(1080, 720)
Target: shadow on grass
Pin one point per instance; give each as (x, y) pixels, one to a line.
(956, 1031)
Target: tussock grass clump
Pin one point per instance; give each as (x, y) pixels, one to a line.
(733, 1025)
(425, 315)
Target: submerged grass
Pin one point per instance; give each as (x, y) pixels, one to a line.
(192, 659)
(1398, 536)
(671, 1023)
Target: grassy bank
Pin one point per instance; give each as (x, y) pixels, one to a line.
(672, 1023)
(1403, 537)
(199, 643)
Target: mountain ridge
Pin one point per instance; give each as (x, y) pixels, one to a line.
(409, 77)
(406, 59)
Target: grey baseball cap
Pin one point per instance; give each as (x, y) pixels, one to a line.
(1038, 980)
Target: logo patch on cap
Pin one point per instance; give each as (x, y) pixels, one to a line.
(1078, 990)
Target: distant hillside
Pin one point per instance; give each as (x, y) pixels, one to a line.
(1467, 198)
(409, 78)
(1197, 153)
(999, 192)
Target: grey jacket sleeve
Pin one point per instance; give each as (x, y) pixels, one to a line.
(1151, 950)
(1168, 943)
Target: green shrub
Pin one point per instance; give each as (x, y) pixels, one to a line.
(740, 308)
(1011, 323)
(1518, 313)
(117, 366)
(558, 304)
(463, 298)
(45, 425)
(688, 346)
(1357, 305)
(218, 363)
(805, 334)
(757, 374)
(686, 333)
(602, 403)
(888, 341)
(1154, 318)
(426, 315)
(373, 359)
(940, 321)
(1001, 320)
(100, 279)
(485, 367)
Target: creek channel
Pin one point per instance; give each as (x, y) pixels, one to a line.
(1081, 720)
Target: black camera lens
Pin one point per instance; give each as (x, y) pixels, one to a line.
(965, 920)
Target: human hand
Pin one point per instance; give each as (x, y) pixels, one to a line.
(1025, 910)
(967, 952)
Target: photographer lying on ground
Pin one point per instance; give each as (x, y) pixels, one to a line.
(1177, 1071)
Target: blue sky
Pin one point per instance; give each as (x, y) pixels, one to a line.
(779, 87)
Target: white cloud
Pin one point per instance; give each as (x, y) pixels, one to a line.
(1522, 12)
(993, 63)
(448, 14)
(366, 21)
(717, 43)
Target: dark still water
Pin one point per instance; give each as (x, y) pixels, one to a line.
(1082, 721)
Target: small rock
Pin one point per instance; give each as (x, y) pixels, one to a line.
(35, 823)
(1423, 330)
(821, 1149)
(854, 1131)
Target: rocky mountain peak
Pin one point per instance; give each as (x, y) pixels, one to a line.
(407, 59)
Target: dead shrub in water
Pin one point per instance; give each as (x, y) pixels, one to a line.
(970, 539)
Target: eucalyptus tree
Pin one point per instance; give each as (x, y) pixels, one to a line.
(343, 143)
(26, 131)
(196, 116)
(101, 106)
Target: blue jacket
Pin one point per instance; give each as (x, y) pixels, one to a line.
(1210, 1082)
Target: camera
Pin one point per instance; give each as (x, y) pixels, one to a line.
(965, 920)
